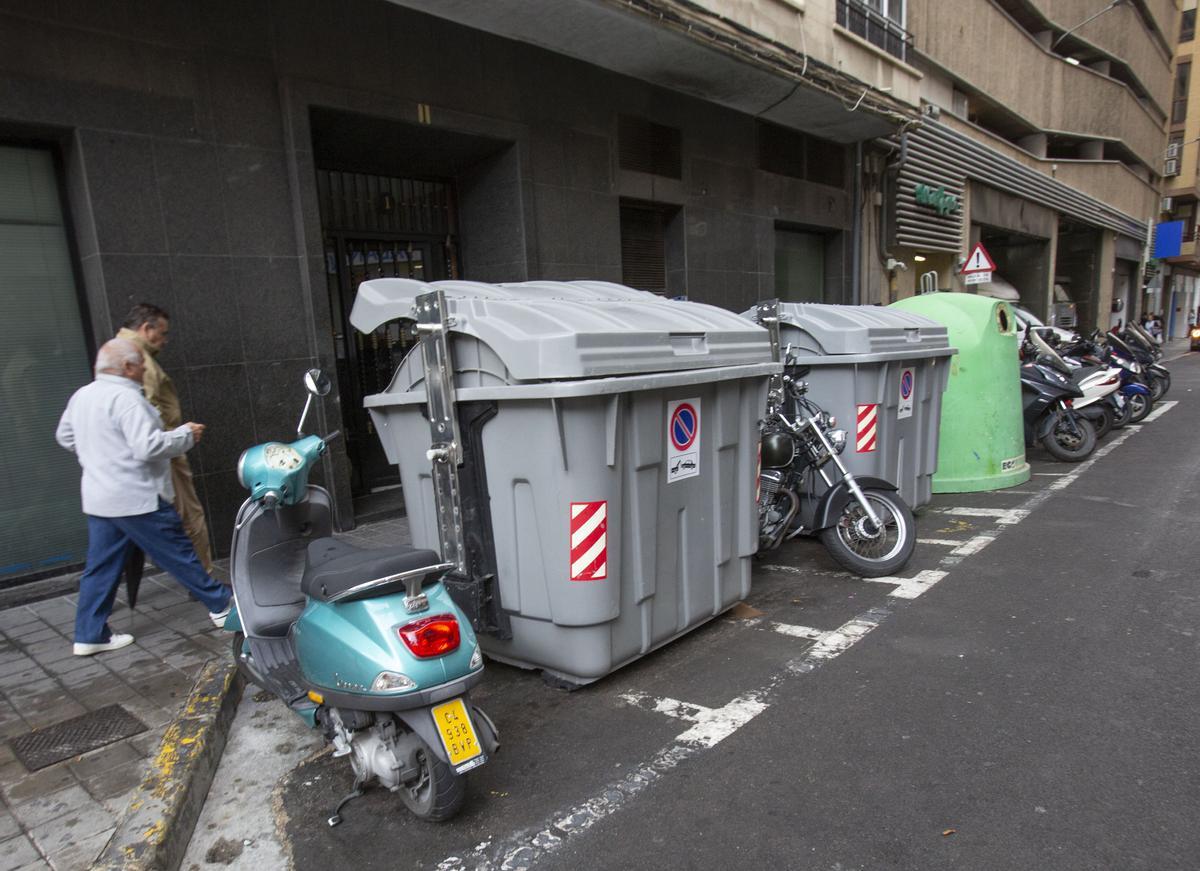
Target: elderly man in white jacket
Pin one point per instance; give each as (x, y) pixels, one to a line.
(126, 458)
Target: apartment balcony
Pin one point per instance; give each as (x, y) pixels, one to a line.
(879, 30)
(1029, 87)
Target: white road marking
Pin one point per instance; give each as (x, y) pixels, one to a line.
(1050, 474)
(943, 542)
(911, 588)
(1004, 516)
(1159, 410)
(974, 546)
(798, 631)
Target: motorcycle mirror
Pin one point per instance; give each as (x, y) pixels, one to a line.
(317, 382)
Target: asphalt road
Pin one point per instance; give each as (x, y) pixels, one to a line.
(1024, 696)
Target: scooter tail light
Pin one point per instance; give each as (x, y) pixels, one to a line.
(431, 636)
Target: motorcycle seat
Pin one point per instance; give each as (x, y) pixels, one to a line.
(1083, 372)
(335, 566)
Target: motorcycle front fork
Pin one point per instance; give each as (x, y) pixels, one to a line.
(847, 476)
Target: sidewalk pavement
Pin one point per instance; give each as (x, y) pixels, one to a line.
(61, 816)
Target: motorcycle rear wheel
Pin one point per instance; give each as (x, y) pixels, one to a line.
(1070, 447)
(850, 543)
(438, 794)
(1123, 414)
(1105, 425)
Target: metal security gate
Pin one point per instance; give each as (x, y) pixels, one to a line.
(378, 227)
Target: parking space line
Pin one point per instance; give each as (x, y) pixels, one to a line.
(1003, 516)
(942, 542)
(1159, 410)
(798, 631)
(911, 588)
(973, 546)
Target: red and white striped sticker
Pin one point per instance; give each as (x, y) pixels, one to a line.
(589, 541)
(868, 419)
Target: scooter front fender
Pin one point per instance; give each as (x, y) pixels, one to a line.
(1135, 387)
(835, 499)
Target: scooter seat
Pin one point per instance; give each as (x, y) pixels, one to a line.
(335, 566)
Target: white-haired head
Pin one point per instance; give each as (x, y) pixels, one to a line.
(115, 354)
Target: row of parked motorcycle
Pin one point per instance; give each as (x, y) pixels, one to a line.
(1076, 389)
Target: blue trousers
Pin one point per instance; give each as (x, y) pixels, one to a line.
(160, 534)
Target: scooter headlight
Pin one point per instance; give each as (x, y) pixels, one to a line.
(392, 682)
(837, 438)
(476, 659)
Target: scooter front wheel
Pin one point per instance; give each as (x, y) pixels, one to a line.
(1140, 405)
(872, 553)
(438, 793)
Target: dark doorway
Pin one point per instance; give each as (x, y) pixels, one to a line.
(413, 224)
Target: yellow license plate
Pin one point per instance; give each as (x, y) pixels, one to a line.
(457, 731)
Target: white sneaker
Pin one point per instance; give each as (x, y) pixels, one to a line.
(116, 642)
(218, 618)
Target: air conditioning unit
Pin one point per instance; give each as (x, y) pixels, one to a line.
(1171, 166)
(1168, 203)
(1173, 150)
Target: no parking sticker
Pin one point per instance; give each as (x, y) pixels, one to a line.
(907, 383)
(683, 439)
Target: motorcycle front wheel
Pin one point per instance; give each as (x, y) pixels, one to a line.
(872, 553)
(1122, 414)
(438, 793)
(1071, 446)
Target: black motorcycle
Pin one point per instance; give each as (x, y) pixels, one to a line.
(1047, 390)
(863, 523)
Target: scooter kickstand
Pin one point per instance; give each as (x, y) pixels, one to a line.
(356, 793)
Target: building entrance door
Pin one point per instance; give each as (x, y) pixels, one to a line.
(421, 246)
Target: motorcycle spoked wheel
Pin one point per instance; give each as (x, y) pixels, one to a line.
(1068, 446)
(851, 543)
(438, 793)
(1140, 405)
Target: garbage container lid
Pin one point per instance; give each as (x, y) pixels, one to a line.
(860, 330)
(543, 330)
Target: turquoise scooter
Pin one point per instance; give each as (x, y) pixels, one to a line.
(364, 644)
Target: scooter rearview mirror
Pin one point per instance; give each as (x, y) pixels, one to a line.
(317, 382)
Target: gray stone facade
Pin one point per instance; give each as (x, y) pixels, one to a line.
(191, 134)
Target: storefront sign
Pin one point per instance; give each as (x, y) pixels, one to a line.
(936, 198)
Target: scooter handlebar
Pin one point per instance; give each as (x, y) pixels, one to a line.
(333, 435)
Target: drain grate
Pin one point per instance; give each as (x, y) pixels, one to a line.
(69, 738)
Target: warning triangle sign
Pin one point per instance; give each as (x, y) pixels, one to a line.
(978, 261)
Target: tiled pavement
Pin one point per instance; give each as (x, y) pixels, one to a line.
(61, 816)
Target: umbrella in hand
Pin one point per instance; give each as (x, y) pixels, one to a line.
(135, 562)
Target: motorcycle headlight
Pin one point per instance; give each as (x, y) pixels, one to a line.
(837, 438)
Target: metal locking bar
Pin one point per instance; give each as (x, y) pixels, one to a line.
(445, 452)
(767, 314)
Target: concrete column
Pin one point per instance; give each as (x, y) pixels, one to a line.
(1106, 265)
(1035, 144)
(1052, 254)
(1091, 150)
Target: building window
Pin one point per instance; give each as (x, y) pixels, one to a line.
(1183, 73)
(787, 152)
(879, 22)
(650, 249)
(644, 146)
(1187, 27)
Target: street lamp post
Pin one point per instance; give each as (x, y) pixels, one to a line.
(1109, 8)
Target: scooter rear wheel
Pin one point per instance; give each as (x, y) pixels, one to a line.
(438, 794)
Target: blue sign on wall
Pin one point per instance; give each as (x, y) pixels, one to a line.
(1168, 239)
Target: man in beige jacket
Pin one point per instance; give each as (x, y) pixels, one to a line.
(147, 326)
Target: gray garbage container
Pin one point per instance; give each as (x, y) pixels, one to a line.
(611, 448)
(881, 372)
